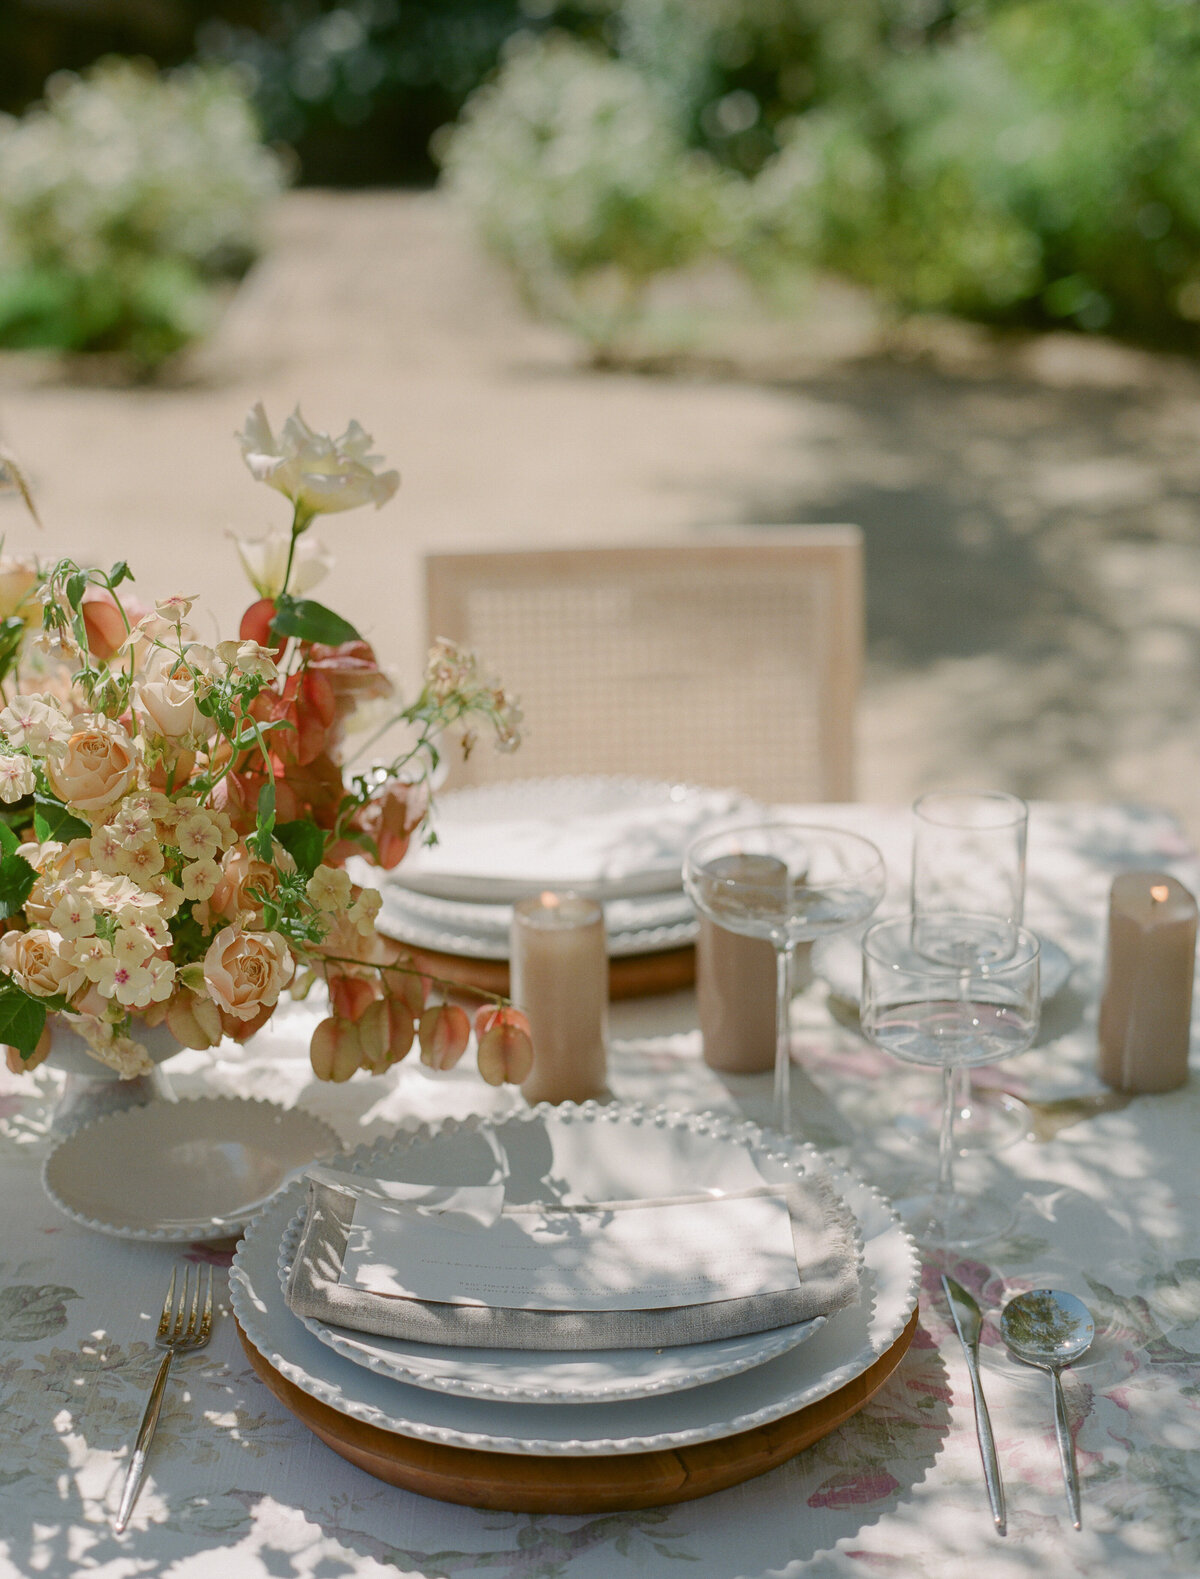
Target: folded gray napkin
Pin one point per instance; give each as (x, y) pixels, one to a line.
(824, 1235)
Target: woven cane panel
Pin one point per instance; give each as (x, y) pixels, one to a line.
(686, 674)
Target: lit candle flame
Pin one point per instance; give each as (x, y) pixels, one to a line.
(1160, 893)
(551, 901)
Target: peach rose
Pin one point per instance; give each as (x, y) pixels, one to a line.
(34, 959)
(246, 971)
(241, 872)
(94, 767)
(103, 622)
(18, 577)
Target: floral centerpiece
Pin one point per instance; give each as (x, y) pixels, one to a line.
(175, 817)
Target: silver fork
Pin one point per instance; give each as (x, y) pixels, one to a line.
(179, 1331)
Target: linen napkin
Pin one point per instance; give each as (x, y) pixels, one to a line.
(548, 1277)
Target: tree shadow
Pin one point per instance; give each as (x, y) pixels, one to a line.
(1033, 545)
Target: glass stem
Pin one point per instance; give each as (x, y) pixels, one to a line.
(962, 1091)
(945, 1175)
(784, 953)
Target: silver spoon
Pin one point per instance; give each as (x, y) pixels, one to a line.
(1050, 1329)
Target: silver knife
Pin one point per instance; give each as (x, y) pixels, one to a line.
(968, 1321)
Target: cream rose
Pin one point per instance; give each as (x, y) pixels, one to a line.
(165, 702)
(34, 959)
(94, 767)
(246, 971)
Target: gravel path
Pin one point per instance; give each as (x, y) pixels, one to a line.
(1031, 511)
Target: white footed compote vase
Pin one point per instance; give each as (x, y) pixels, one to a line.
(92, 1088)
(930, 997)
(791, 883)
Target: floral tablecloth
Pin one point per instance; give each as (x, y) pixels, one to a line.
(1107, 1201)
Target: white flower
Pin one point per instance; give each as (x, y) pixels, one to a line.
(265, 562)
(249, 658)
(363, 911)
(318, 473)
(175, 609)
(34, 723)
(16, 779)
(329, 889)
(73, 916)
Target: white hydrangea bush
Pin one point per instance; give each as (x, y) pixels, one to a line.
(577, 176)
(121, 196)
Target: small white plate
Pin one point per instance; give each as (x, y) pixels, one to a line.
(528, 1376)
(837, 961)
(179, 1172)
(609, 837)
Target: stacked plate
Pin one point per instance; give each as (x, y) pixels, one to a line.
(581, 1404)
(620, 840)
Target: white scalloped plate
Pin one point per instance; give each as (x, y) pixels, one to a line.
(607, 1152)
(528, 1376)
(608, 836)
(179, 1172)
(641, 924)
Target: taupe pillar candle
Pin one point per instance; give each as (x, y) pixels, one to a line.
(735, 978)
(1146, 1008)
(559, 964)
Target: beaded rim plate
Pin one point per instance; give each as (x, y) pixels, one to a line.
(661, 1143)
(182, 1172)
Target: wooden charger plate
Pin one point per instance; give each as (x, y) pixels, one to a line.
(631, 976)
(619, 1483)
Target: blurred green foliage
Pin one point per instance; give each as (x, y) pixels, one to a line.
(579, 179)
(125, 198)
(1021, 161)
(1041, 166)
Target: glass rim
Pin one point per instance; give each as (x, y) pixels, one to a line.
(1019, 959)
(783, 825)
(1018, 809)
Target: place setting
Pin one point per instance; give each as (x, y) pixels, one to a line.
(534, 1262)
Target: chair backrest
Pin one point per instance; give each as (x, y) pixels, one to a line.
(734, 661)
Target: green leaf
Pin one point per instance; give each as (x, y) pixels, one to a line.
(29, 1311)
(304, 842)
(8, 840)
(22, 1019)
(17, 878)
(310, 621)
(120, 572)
(52, 820)
(266, 821)
(75, 588)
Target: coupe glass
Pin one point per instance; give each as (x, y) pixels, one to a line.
(969, 855)
(788, 882)
(964, 1008)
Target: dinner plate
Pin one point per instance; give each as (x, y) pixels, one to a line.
(837, 961)
(529, 1376)
(601, 1153)
(182, 1171)
(402, 920)
(639, 913)
(608, 837)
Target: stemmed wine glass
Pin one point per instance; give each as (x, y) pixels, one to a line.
(969, 855)
(789, 882)
(931, 995)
